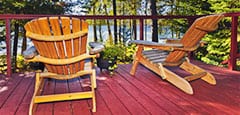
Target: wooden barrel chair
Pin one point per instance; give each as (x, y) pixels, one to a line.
(61, 44)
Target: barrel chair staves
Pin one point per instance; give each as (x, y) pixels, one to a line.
(61, 44)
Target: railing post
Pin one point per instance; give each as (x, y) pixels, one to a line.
(8, 46)
(141, 29)
(234, 47)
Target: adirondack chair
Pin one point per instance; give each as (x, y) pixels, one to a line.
(61, 44)
(174, 53)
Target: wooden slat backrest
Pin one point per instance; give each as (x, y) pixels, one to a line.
(194, 34)
(63, 49)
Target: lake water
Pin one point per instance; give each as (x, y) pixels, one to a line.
(147, 36)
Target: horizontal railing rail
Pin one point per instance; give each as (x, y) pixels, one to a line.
(234, 16)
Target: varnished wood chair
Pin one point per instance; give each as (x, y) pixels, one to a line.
(174, 53)
(61, 44)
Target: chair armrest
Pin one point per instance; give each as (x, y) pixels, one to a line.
(202, 43)
(172, 46)
(161, 46)
(30, 53)
(96, 47)
(60, 61)
(173, 40)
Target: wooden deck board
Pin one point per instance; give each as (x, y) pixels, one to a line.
(23, 110)
(102, 108)
(142, 94)
(168, 92)
(152, 93)
(8, 88)
(78, 106)
(196, 101)
(15, 99)
(204, 95)
(63, 107)
(127, 100)
(113, 103)
(150, 105)
(46, 108)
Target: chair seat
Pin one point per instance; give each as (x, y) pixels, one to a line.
(155, 56)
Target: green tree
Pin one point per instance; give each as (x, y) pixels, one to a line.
(154, 21)
(218, 47)
(28, 7)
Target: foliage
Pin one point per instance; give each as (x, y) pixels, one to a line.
(215, 52)
(220, 6)
(123, 54)
(218, 47)
(27, 7)
(112, 55)
(218, 43)
(33, 6)
(21, 64)
(3, 63)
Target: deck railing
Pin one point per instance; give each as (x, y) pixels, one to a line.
(234, 16)
(234, 53)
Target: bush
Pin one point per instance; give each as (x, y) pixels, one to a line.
(21, 64)
(123, 54)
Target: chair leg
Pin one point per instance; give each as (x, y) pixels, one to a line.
(136, 60)
(168, 75)
(94, 79)
(134, 67)
(93, 86)
(193, 69)
(178, 81)
(39, 82)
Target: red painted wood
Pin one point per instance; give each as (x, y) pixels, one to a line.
(150, 105)
(78, 106)
(234, 44)
(210, 94)
(102, 108)
(126, 94)
(46, 108)
(3, 80)
(8, 46)
(132, 105)
(226, 91)
(14, 100)
(224, 104)
(63, 107)
(113, 103)
(24, 106)
(32, 16)
(160, 94)
(7, 90)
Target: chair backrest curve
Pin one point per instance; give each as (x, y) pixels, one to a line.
(194, 34)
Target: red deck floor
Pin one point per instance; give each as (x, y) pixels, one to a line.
(123, 94)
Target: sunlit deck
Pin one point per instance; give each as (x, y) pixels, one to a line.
(124, 94)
